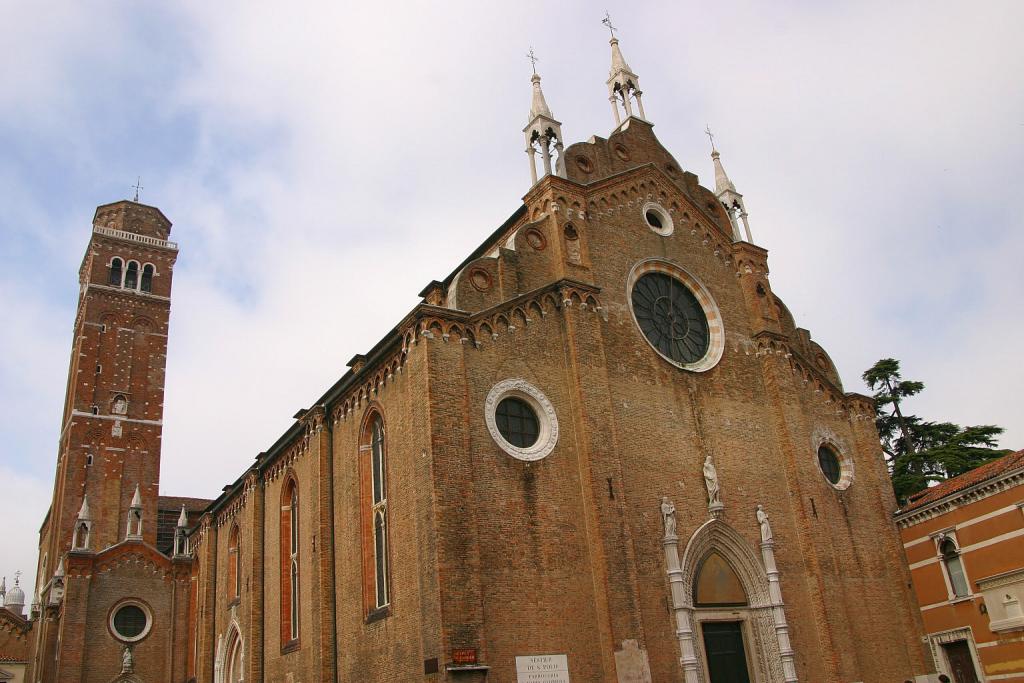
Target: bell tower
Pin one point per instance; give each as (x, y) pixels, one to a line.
(109, 448)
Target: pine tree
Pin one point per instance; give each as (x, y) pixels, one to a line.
(920, 453)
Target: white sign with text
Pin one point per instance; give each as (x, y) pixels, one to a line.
(542, 669)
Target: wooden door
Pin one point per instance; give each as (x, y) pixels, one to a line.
(723, 645)
(961, 664)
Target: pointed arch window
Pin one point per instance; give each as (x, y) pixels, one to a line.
(131, 275)
(954, 566)
(290, 567)
(114, 276)
(376, 561)
(235, 564)
(147, 278)
(717, 584)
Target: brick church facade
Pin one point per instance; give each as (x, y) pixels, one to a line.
(599, 450)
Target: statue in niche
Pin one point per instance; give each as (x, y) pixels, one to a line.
(711, 481)
(120, 406)
(766, 529)
(668, 516)
(127, 661)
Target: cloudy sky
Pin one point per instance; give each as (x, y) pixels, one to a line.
(321, 163)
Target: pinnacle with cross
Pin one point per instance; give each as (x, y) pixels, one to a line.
(711, 137)
(533, 60)
(607, 21)
(138, 186)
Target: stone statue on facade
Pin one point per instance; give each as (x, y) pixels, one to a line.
(668, 516)
(766, 529)
(711, 481)
(127, 661)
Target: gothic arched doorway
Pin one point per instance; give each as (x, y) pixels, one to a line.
(724, 610)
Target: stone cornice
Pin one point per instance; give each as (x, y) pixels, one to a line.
(956, 499)
(854, 406)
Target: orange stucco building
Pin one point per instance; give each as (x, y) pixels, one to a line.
(964, 540)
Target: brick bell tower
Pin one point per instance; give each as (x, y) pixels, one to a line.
(113, 412)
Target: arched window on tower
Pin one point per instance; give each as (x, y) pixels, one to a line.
(373, 476)
(147, 278)
(234, 564)
(954, 565)
(114, 277)
(290, 564)
(131, 275)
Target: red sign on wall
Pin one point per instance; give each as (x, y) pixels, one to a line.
(464, 655)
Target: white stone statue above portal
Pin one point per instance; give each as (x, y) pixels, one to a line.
(766, 529)
(711, 482)
(668, 516)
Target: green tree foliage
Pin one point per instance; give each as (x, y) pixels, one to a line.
(920, 452)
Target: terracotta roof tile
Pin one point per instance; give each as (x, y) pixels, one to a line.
(966, 480)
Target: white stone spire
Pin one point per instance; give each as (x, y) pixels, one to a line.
(543, 132)
(83, 527)
(59, 574)
(623, 84)
(730, 198)
(84, 514)
(180, 541)
(134, 532)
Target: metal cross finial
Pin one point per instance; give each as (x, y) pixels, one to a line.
(711, 136)
(607, 21)
(533, 60)
(138, 186)
(17, 577)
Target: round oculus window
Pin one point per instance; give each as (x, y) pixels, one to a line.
(671, 318)
(521, 419)
(517, 422)
(829, 464)
(130, 622)
(658, 219)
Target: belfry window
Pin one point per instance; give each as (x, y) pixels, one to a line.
(376, 580)
(290, 564)
(147, 278)
(954, 565)
(114, 277)
(131, 275)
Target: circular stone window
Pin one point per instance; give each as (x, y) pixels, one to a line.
(621, 152)
(480, 279)
(837, 470)
(521, 419)
(535, 238)
(676, 315)
(130, 621)
(658, 219)
(584, 164)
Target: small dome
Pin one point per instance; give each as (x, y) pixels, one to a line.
(15, 598)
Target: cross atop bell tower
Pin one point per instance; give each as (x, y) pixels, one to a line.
(113, 411)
